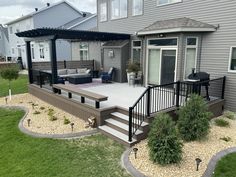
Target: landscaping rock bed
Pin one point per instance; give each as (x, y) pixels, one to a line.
(219, 138)
(40, 120)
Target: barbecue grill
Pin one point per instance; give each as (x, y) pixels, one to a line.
(200, 79)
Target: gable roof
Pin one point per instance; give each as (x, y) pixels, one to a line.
(177, 25)
(78, 21)
(43, 9)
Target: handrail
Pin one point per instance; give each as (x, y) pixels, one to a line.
(161, 97)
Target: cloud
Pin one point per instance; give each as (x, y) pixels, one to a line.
(25, 3)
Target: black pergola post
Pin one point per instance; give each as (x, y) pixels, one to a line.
(29, 61)
(53, 61)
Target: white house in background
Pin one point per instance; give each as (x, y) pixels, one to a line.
(4, 43)
(58, 15)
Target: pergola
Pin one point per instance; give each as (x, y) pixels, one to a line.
(53, 34)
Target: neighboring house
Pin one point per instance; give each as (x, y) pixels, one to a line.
(58, 15)
(170, 37)
(4, 43)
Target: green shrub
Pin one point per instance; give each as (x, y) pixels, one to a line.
(193, 123)
(222, 123)
(50, 112)
(52, 118)
(164, 145)
(9, 73)
(66, 121)
(229, 115)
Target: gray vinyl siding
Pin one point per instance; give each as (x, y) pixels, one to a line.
(44, 19)
(215, 49)
(88, 25)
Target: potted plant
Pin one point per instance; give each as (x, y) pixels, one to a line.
(132, 69)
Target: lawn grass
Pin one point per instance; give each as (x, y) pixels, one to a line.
(18, 86)
(22, 155)
(226, 166)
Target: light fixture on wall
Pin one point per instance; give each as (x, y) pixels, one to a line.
(161, 35)
(111, 53)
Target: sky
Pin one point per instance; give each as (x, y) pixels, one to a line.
(12, 9)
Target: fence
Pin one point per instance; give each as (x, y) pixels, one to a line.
(162, 97)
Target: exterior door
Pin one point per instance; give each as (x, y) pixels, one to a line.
(168, 66)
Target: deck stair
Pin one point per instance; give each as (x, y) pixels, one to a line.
(116, 127)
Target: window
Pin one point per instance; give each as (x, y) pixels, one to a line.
(136, 51)
(119, 9)
(163, 42)
(164, 2)
(190, 55)
(11, 30)
(32, 51)
(137, 7)
(103, 12)
(232, 64)
(41, 51)
(83, 51)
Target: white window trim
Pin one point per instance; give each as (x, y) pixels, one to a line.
(106, 12)
(133, 9)
(176, 47)
(84, 50)
(169, 3)
(133, 47)
(190, 47)
(119, 17)
(230, 58)
(41, 46)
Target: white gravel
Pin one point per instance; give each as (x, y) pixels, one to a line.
(40, 123)
(187, 168)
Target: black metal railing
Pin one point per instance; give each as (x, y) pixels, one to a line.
(42, 78)
(162, 97)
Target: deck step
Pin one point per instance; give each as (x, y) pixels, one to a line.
(125, 119)
(121, 126)
(121, 137)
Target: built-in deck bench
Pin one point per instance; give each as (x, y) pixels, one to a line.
(83, 93)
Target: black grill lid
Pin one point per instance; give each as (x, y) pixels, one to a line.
(201, 76)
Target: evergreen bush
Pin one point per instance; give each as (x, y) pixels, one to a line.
(193, 123)
(164, 145)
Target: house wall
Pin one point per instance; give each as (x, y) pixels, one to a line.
(4, 42)
(94, 53)
(215, 53)
(119, 61)
(55, 17)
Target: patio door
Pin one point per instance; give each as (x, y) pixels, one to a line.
(161, 66)
(168, 66)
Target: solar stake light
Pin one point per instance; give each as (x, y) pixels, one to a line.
(198, 161)
(135, 152)
(72, 126)
(6, 99)
(28, 120)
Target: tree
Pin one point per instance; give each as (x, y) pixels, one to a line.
(9, 73)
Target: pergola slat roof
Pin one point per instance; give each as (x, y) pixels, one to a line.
(73, 34)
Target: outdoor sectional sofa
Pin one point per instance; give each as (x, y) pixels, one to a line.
(66, 73)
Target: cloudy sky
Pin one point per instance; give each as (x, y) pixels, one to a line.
(12, 9)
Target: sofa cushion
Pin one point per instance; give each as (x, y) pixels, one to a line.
(88, 71)
(62, 72)
(81, 70)
(71, 71)
(110, 71)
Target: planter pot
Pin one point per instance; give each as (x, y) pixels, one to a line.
(129, 75)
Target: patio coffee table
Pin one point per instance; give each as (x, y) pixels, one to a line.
(80, 79)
